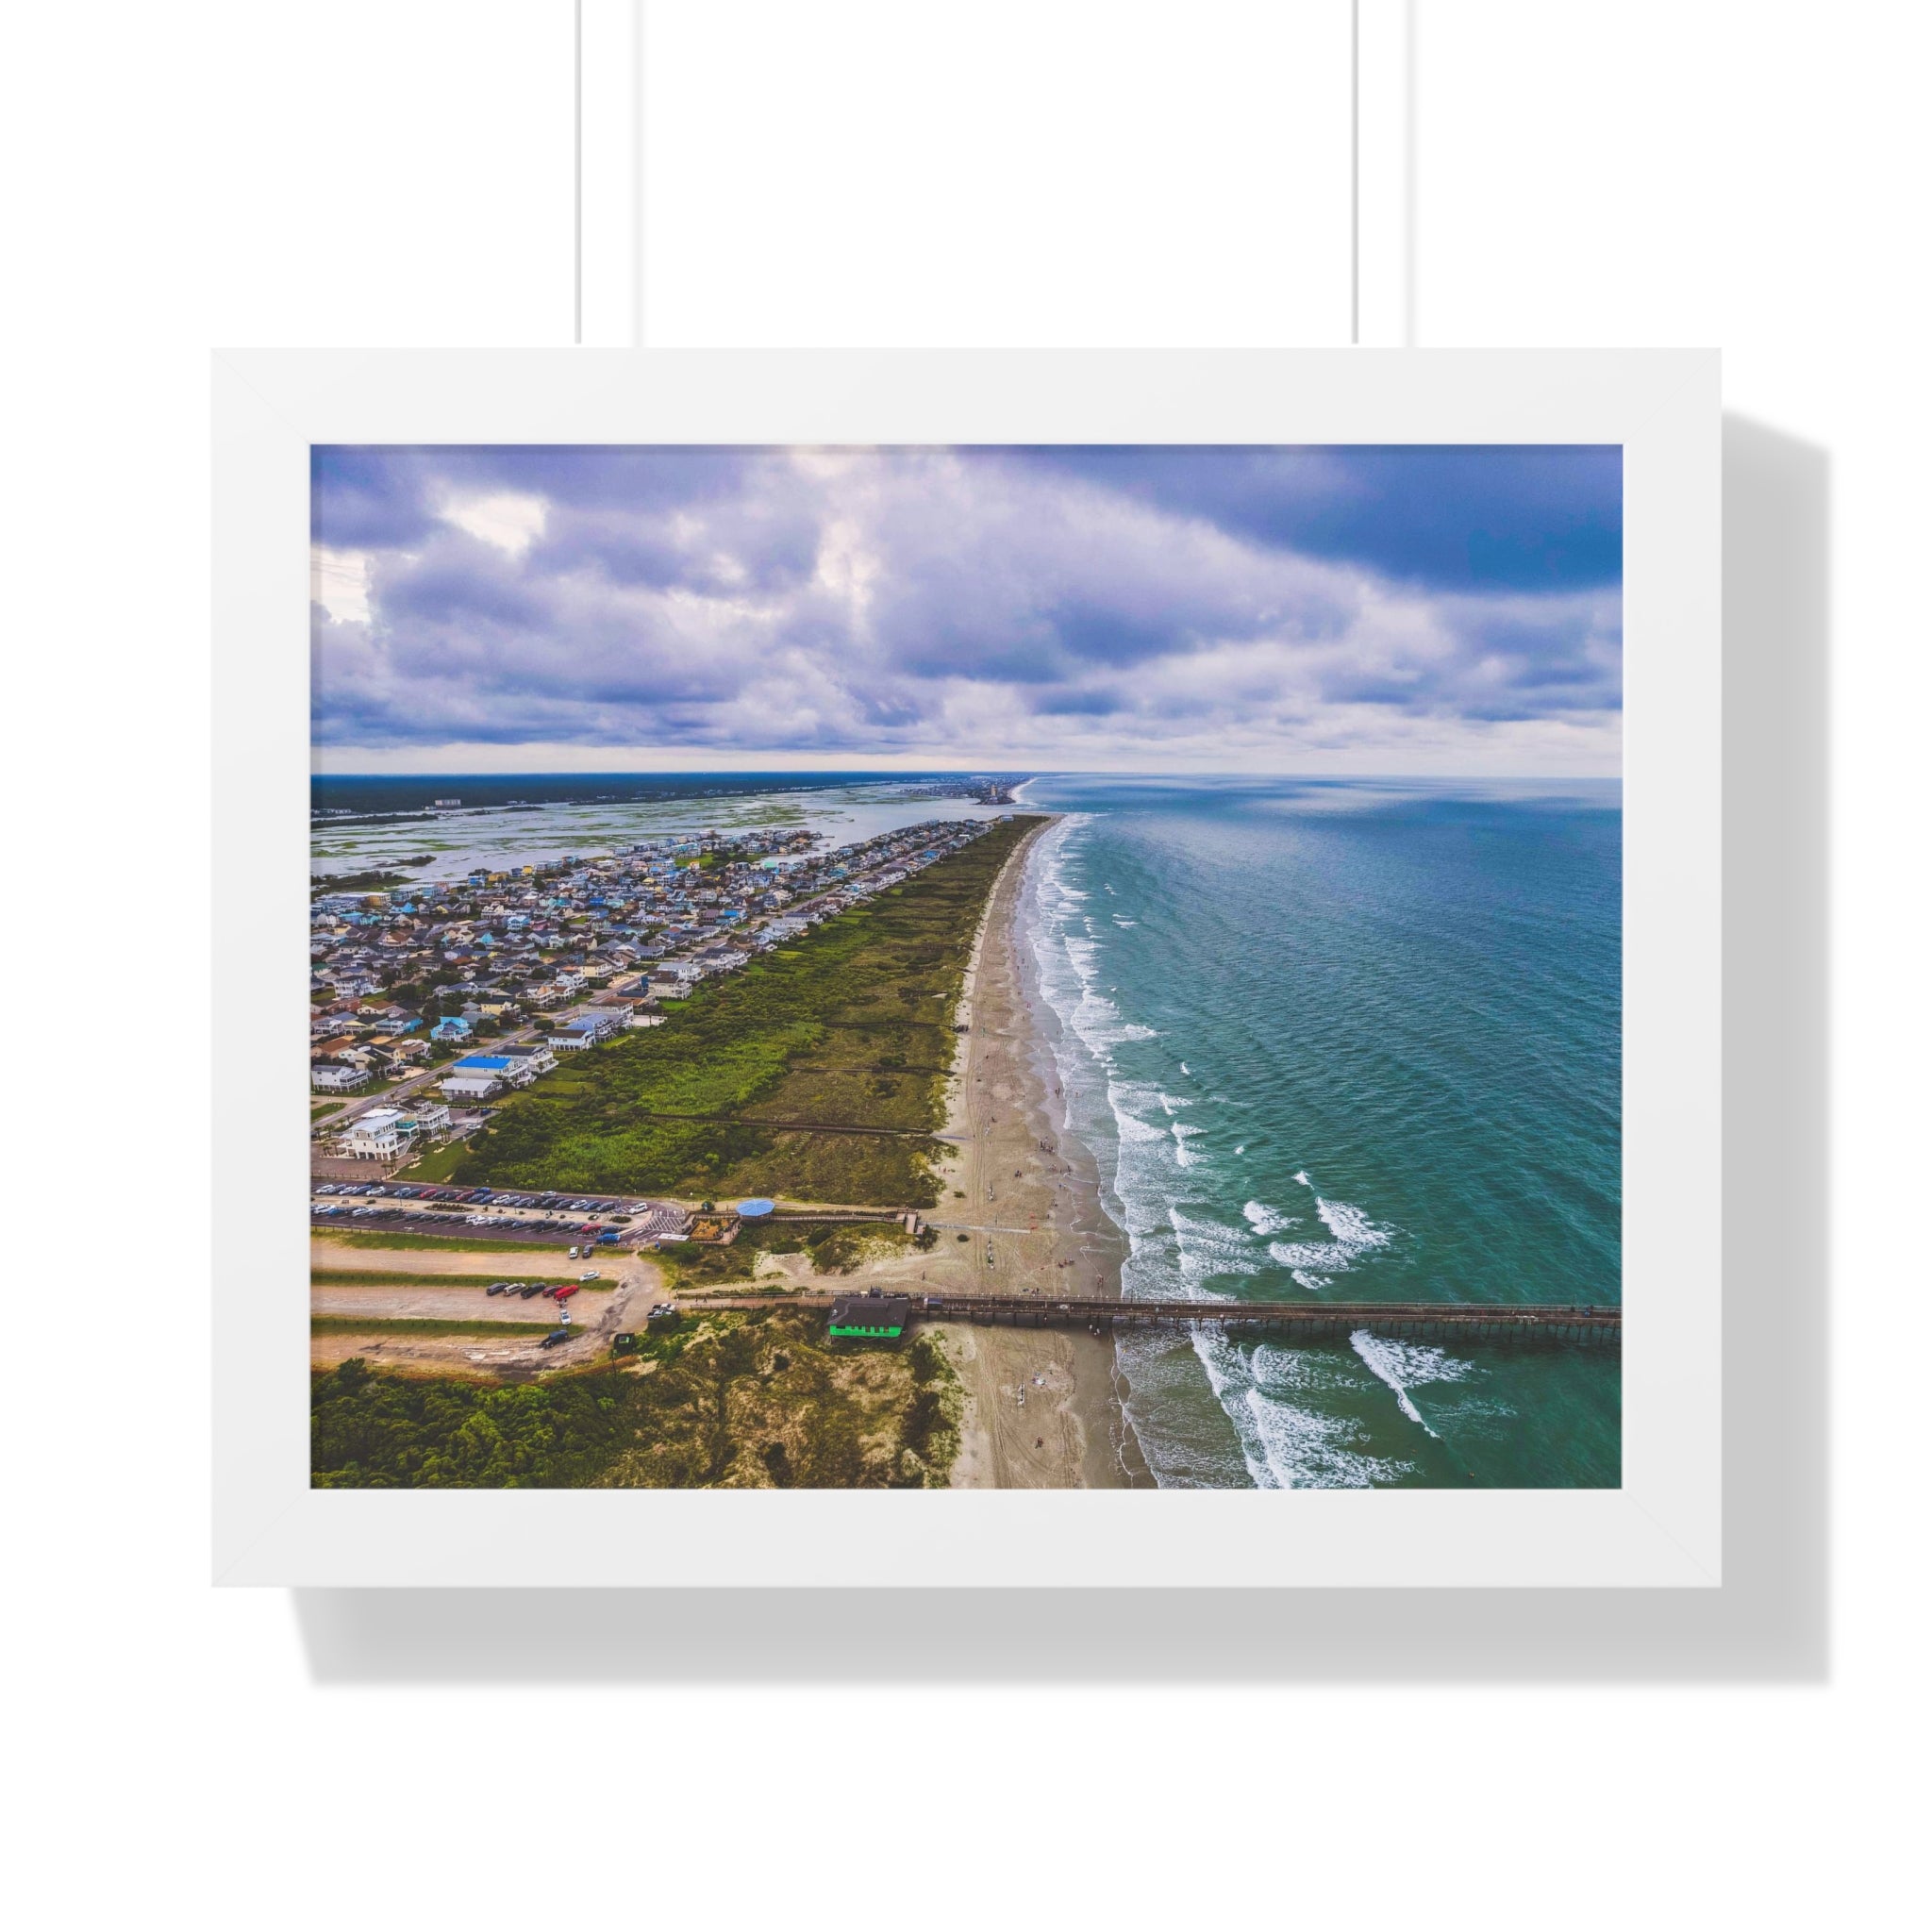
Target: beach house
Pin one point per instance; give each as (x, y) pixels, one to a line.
(479, 1077)
(384, 1133)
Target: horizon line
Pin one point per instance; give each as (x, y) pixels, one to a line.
(949, 772)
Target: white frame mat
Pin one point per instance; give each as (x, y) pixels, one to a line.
(1662, 1527)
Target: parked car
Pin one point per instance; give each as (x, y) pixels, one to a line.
(564, 1293)
(549, 1290)
(497, 1288)
(590, 1275)
(531, 1288)
(555, 1336)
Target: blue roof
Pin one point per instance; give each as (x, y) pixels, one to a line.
(482, 1063)
(755, 1210)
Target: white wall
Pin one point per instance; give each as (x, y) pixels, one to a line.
(399, 173)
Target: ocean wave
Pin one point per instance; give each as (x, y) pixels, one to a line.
(1404, 1365)
(1176, 1247)
(1352, 1235)
(1282, 1371)
(1285, 1445)
(1209, 1247)
(1350, 1226)
(1313, 1283)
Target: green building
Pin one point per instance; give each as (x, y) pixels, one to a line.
(871, 1317)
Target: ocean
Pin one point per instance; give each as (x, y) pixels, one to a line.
(1354, 1040)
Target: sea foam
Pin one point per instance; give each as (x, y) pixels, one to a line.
(1285, 1445)
(1404, 1365)
(1353, 1235)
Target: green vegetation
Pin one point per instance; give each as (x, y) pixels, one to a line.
(381, 1277)
(850, 1027)
(438, 1164)
(835, 1248)
(363, 881)
(322, 1109)
(409, 1325)
(752, 1402)
(360, 1238)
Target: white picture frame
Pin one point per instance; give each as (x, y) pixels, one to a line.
(1661, 1529)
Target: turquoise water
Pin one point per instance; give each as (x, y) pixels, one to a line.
(1347, 1041)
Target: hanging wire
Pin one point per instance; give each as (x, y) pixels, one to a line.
(1355, 173)
(577, 180)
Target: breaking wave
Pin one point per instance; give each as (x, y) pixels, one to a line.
(1405, 1365)
(1352, 1235)
(1265, 1220)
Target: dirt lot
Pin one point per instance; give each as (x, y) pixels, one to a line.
(630, 1283)
(391, 1302)
(539, 1263)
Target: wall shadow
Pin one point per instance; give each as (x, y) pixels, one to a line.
(1769, 1624)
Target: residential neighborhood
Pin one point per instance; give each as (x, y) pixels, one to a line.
(434, 999)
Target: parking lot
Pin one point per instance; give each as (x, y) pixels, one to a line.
(605, 1219)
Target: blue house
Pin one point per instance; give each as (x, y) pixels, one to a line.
(483, 1063)
(451, 1028)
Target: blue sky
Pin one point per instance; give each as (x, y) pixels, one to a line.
(1451, 609)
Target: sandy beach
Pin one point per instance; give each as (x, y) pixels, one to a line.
(1018, 1214)
(1042, 1409)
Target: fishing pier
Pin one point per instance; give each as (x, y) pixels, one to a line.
(1305, 1321)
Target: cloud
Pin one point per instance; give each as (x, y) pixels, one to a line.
(947, 607)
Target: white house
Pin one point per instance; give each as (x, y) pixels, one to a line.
(337, 1077)
(586, 1028)
(471, 1087)
(526, 1061)
(381, 1134)
(480, 1076)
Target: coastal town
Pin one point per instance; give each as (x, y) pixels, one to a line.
(617, 1266)
(430, 1000)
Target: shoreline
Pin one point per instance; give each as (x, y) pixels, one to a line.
(1043, 1407)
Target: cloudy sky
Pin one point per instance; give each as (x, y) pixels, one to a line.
(1258, 609)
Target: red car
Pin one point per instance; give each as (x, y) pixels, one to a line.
(564, 1293)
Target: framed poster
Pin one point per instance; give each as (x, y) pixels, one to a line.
(967, 968)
